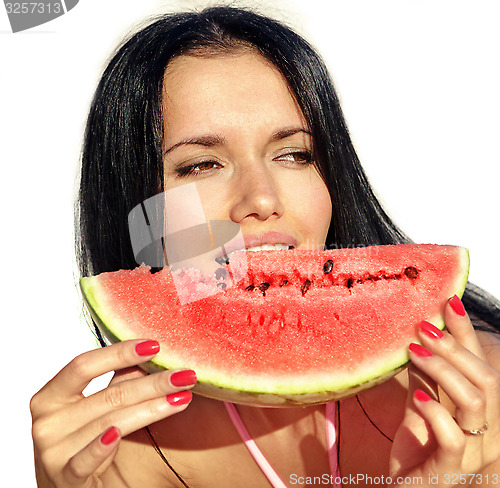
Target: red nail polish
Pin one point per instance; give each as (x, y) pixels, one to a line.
(457, 305)
(420, 350)
(183, 378)
(110, 436)
(147, 348)
(430, 330)
(179, 398)
(421, 396)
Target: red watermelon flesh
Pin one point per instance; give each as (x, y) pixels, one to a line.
(301, 327)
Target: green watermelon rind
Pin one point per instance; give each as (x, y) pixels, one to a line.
(269, 390)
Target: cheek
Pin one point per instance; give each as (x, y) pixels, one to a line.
(313, 207)
(323, 209)
(214, 199)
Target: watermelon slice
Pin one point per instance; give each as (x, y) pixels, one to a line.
(300, 327)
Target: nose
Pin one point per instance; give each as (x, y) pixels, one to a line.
(256, 196)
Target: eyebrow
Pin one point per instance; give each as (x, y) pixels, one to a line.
(215, 140)
(284, 133)
(206, 141)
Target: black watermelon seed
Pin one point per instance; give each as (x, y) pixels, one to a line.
(411, 272)
(328, 266)
(350, 282)
(305, 287)
(264, 286)
(250, 287)
(284, 283)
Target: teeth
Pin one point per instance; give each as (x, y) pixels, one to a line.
(265, 247)
(269, 247)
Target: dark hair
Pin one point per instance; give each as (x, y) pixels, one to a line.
(122, 156)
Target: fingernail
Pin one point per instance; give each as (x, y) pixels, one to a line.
(179, 398)
(457, 305)
(421, 396)
(430, 330)
(420, 350)
(147, 348)
(183, 378)
(110, 436)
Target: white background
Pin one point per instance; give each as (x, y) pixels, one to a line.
(418, 81)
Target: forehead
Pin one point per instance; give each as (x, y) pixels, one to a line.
(229, 89)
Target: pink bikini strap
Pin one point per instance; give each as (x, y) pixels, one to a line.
(264, 465)
(262, 462)
(331, 442)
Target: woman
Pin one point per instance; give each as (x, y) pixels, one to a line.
(244, 108)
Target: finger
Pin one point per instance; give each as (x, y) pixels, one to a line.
(138, 390)
(138, 416)
(458, 385)
(459, 325)
(127, 374)
(418, 380)
(447, 433)
(73, 378)
(135, 417)
(478, 371)
(126, 393)
(441, 343)
(86, 462)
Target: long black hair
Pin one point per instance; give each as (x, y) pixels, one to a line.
(122, 155)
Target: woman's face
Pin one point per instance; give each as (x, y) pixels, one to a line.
(232, 127)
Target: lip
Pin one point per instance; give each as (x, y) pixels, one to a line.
(255, 240)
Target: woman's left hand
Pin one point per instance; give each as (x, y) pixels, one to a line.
(433, 445)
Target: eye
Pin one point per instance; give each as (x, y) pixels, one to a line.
(198, 169)
(296, 157)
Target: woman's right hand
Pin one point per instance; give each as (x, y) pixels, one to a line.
(76, 437)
